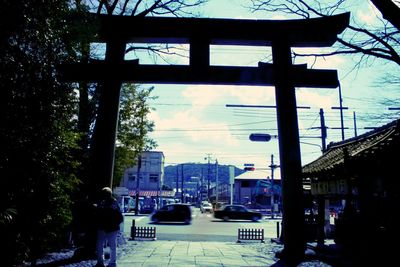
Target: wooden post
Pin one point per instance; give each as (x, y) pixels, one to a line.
(133, 230)
(277, 230)
(321, 221)
(289, 149)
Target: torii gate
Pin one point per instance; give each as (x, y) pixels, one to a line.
(200, 33)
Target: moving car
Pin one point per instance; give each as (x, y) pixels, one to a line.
(173, 213)
(149, 205)
(206, 207)
(237, 212)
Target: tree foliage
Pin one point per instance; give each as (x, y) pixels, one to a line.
(133, 128)
(38, 138)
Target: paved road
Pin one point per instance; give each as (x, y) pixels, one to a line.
(204, 227)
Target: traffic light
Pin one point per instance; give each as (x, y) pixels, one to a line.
(249, 168)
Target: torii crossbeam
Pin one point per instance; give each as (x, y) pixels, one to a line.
(199, 33)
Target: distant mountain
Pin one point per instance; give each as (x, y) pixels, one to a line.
(197, 170)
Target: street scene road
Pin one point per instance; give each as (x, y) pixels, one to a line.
(204, 227)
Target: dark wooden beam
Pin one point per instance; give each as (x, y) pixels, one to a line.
(176, 74)
(315, 32)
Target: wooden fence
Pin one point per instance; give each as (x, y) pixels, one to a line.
(146, 232)
(250, 234)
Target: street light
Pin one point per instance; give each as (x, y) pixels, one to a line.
(258, 137)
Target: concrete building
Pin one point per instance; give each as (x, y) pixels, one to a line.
(255, 188)
(150, 173)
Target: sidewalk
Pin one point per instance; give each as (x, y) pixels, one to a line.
(188, 253)
(161, 253)
(184, 253)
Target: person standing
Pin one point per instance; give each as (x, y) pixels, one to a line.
(109, 217)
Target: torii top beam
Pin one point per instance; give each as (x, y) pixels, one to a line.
(315, 32)
(200, 33)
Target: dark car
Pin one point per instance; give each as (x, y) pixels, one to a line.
(236, 212)
(173, 213)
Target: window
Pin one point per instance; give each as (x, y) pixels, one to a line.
(153, 178)
(154, 161)
(229, 208)
(131, 177)
(245, 184)
(241, 209)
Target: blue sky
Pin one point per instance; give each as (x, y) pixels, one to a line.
(193, 120)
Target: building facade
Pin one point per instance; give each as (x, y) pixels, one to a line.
(256, 189)
(150, 174)
(362, 175)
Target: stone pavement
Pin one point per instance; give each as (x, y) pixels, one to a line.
(184, 253)
(161, 253)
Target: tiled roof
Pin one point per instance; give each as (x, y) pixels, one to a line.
(361, 146)
(256, 175)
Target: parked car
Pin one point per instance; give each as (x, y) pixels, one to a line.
(236, 212)
(173, 213)
(206, 207)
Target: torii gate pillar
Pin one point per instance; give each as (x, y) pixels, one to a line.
(290, 157)
(104, 136)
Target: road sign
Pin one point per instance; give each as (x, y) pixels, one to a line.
(258, 137)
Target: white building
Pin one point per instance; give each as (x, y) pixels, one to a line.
(248, 188)
(151, 175)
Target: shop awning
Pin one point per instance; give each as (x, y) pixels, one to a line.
(152, 193)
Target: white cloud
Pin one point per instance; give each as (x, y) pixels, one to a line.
(254, 95)
(368, 15)
(316, 98)
(193, 128)
(204, 95)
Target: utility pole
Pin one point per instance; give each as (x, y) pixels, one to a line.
(208, 158)
(177, 179)
(341, 108)
(355, 124)
(273, 167)
(182, 183)
(216, 182)
(321, 201)
(323, 129)
(138, 183)
(201, 184)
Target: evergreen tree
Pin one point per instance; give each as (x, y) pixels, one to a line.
(37, 133)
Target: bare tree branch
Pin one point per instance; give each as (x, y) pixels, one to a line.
(380, 42)
(390, 11)
(150, 9)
